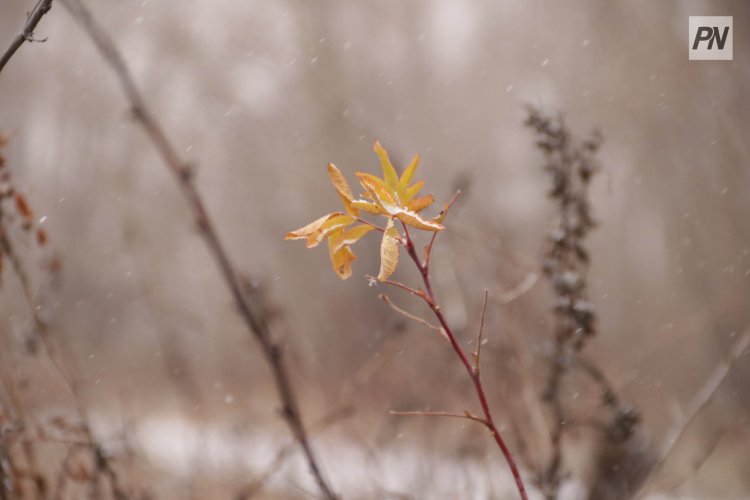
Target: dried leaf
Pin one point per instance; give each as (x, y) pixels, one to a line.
(352, 235)
(406, 177)
(388, 251)
(22, 206)
(342, 187)
(307, 230)
(415, 220)
(377, 190)
(389, 173)
(369, 207)
(412, 191)
(327, 228)
(419, 204)
(341, 259)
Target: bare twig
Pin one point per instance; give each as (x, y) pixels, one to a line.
(27, 33)
(184, 176)
(477, 354)
(698, 403)
(442, 215)
(398, 284)
(412, 317)
(52, 351)
(517, 291)
(371, 224)
(417, 413)
(255, 486)
(429, 297)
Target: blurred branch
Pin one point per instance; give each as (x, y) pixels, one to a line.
(698, 403)
(27, 33)
(184, 175)
(411, 316)
(255, 486)
(478, 353)
(517, 291)
(50, 348)
(417, 413)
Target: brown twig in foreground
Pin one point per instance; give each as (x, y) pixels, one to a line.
(184, 175)
(27, 33)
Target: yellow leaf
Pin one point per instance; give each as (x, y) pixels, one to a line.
(314, 226)
(351, 236)
(409, 173)
(411, 191)
(415, 220)
(389, 173)
(377, 191)
(388, 251)
(341, 259)
(329, 227)
(368, 206)
(419, 204)
(342, 187)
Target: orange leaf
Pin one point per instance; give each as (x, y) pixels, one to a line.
(388, 251)
(22, 206)
(415, 220)
(341, 259)
(369, 207)
(352, 235)
(342, 187)
(329, 227)
(408, 173)
(411, 191)
(307, 230)
(419, 204)
(377, 190)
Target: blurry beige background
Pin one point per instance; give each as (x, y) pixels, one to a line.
(261, 95)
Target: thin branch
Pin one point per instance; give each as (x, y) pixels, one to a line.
(467, 415)
(443, 214)
(477, 354)
(51, 350)
(700, 401)
(372, 224)
(412, 317)
(517, 291)
(398, 284)
(184, 175)
(27, 33)
(257, 484)
(429, 297)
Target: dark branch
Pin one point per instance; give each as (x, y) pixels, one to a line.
(27, 33)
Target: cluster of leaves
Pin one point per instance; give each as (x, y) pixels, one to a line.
(392, 197)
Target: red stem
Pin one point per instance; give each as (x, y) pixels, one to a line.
(429, 297)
